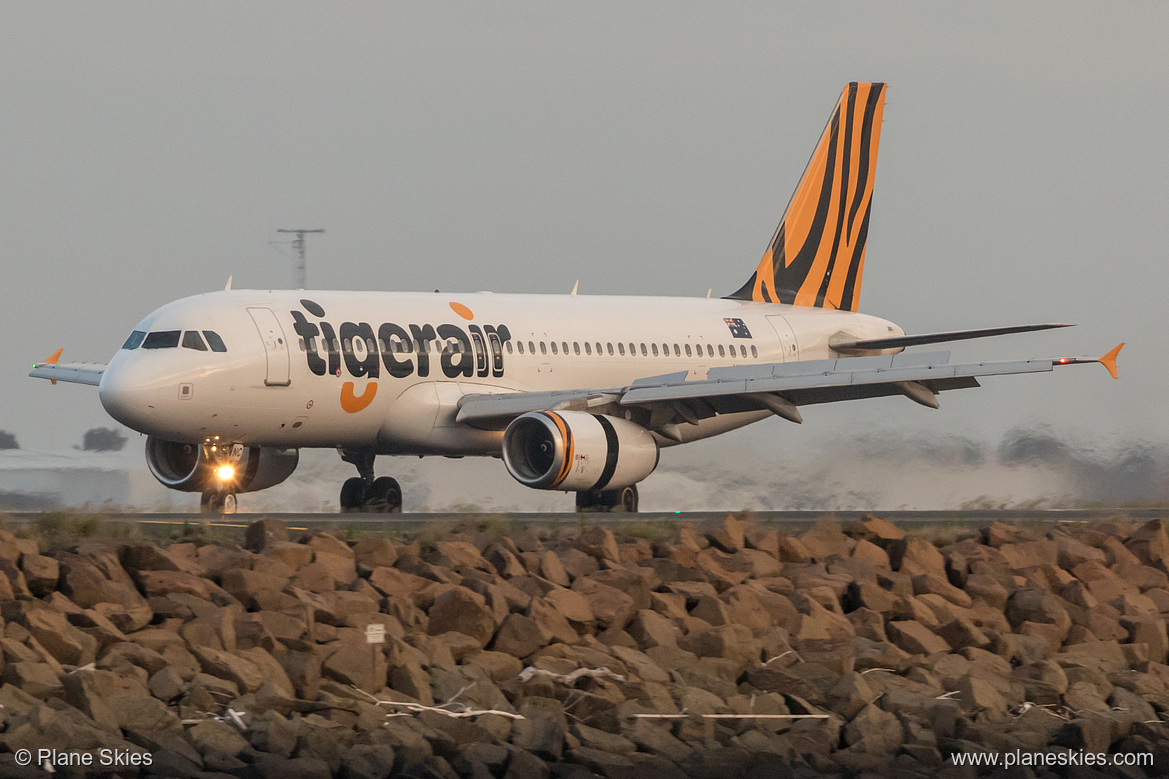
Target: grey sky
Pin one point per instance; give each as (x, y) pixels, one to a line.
(149, 150)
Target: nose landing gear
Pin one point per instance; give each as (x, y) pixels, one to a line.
(217, 502)
(366, 493)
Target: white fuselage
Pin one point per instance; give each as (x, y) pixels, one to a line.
(384, 371)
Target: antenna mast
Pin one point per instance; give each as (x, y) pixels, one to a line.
(299, 245)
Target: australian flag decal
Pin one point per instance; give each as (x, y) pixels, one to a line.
(738, 328)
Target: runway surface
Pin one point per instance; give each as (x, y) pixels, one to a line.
(787, 520)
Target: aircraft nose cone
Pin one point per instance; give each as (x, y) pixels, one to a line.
(128, 395)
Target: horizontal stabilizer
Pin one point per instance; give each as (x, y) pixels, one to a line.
(73, 373)
(901, 341)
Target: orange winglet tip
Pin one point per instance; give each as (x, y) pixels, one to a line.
(1109, 360)
(53, 361)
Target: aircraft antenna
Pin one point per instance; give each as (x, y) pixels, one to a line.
(298, 244)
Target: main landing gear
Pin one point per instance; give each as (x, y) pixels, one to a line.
(366, 493)
(624, 499)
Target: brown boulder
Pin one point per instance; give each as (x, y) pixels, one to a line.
(599, 542)
(915, 638)
(40, 573)
(913, 556)
(263, 533)
(611, 607)
(1150, 544)
(519, 636)
(464, 611)
(224, 665)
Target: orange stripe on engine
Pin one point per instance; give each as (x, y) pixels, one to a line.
(566, 434)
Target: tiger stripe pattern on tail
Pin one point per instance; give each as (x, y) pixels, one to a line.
(817, 255)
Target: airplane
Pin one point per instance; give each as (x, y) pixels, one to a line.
(574, 393)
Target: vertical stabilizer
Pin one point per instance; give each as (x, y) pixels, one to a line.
(817, 255)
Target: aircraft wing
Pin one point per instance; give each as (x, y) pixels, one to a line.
(72, 372)
(668, 401)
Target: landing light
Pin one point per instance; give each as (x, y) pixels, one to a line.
(225, 472)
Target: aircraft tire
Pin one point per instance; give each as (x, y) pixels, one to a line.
(210, 502)
(385, 496)
(352, 494)
(627, 500)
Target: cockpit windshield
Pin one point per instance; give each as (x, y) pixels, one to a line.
(171, 339)
(161, 339)
(135, 340)
(192, 340)
(214, 341)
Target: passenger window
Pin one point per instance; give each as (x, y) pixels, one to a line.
(135, 340)
(553, 346)
(754, 351)
(532, 347)
(743, 350)
(599, 348)
(665, 350)
(564, 347)
(588, 349)
(643, 351)
(519, 345)
(543, 348)
(508, 345)
(710, 350)
(621, 349)
(214, 341)
(655, 350)
(632, 350)
(720, 351)
(576, 347)
(161, 339)
(610, 349)
(300, 343)
(191, 340)
(688, 354)
(371, 346)
(347, 345)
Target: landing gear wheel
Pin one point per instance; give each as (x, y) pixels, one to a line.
(624, 499)
(215, 502)
(352, 494)
(210, 503)
(385, 496)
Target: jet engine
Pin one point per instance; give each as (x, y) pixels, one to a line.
(575, 450)
(196, 468)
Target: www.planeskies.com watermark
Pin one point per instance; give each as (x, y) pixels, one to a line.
(1055, 758)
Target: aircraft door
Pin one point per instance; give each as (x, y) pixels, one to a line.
(275, 346)
(787, 338)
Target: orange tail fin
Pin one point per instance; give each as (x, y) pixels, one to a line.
(817, 255)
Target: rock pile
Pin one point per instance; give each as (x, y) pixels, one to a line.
(723, 650)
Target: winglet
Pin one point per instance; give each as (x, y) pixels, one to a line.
(53, 361)
(1109, 360)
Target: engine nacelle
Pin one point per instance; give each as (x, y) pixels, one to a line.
(192, 467)
(575, 450)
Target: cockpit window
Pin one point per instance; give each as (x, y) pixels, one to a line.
(214, 341)
(161, 339)
(191, 340)
(135, 340)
